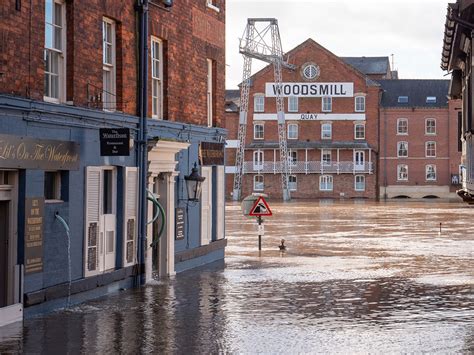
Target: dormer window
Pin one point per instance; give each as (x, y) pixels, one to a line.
(430, 99)
(403, 99)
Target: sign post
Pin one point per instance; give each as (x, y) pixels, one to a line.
(259, 209)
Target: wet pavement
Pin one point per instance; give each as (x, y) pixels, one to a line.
(357, 277)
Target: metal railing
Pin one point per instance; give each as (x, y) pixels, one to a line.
(309, 167)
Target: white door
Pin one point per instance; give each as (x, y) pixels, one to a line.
(108, 228)
(206, 206)
(359, 160)
(258, 160)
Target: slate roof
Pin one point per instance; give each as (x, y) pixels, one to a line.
(232, 100)
(417, 90)
(369, 65)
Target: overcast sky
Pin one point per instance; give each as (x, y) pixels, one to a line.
(412, 30)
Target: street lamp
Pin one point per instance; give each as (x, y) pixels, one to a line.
(194, 184)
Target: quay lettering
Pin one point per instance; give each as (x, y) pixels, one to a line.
(310, 89)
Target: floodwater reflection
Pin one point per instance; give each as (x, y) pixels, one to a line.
(357, 277)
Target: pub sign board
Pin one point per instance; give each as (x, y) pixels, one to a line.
(114, 141)
(34, 215)
(180, 223)
(212, 153)
(19, 152)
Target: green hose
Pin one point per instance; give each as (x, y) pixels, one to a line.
(160, 211)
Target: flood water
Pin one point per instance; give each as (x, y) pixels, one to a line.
(357, 277)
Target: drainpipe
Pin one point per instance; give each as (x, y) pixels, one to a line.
(142, 159)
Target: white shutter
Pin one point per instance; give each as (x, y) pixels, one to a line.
(92, 220)
(220, 203)
(206, 206)
(130, 214)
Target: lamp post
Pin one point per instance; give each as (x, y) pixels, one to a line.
(194, 184)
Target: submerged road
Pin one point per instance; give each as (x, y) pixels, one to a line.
(357, 277)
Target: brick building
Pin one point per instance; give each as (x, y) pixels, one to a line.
(67, 69)
(419, 154)
(332, 134)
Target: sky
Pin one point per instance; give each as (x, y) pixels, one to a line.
(411, 30)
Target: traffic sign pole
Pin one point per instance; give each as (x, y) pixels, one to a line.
(259, 233)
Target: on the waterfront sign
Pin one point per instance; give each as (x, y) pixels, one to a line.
(31, 153)
(310, 89)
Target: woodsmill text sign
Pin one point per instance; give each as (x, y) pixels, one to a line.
(34, 214)
(31, 153)
(212, 153)
(114, 141)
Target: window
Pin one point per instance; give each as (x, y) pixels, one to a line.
(210, 92)
(258, 160)
(430, 149)
(258, 131)
(259, 103)
(325, 183)
(402, 126)
(292, 157)
(326, 131)
(292, 182)
(157, 78)
(212, 4)
(293, 104)
(359, 131)
(108, 65)
(52, 185)
(359, 183)
(430, 99)
(402, 149)
(311, 71)
(327, 104)
(403, 99)
(430, 172)
(360, 104)
(430, 126)
(326, 156)
(258, 183)
(55, 51)
(292, 131)
(402, 172)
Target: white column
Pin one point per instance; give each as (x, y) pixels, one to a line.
(370, 161)
(353, 162)
(166, 255)
(306, 161)
(338, 165)
(274, 161)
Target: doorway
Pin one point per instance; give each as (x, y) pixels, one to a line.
(4, 251)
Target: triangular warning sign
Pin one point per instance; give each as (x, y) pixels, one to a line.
(260, 208)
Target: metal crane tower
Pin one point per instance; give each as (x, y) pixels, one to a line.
(261, 40)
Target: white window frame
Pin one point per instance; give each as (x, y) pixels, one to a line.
(363, 130)
(327, 152)
(431, 99)
(292, 157)
(324, 130)
(326, 183)
(156, 78)
(401, 177)
(259, 103)
(357, 184)
(293, 128)
(109, 97)
(258, 185)
(292, 185)
(399, 144)
(258, 159)
(326, 104)
(432, 149)
(427, 167)
(255, 131)
(59, 52)
(210, 4)
(359, 103)
(399, 121)
(293, 104)
(430, 127)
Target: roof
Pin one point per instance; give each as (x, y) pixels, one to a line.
(232, 100)
(417, 91)
(369, 65)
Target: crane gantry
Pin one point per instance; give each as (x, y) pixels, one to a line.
(261, 40)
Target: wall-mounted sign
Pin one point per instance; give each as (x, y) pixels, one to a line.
(180, 223)
(114, 141)
(455, 179)
(212, 153)
(30, 153)
(34, 212)
(311, 116)
(310, 89)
